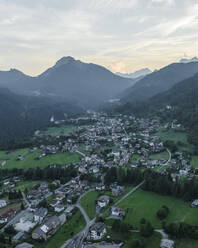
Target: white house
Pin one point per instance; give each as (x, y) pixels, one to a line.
(3, 203)
(103, 201)
(97, 231)
(117, 212)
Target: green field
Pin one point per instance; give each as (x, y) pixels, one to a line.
(67, 231)
(143, 204)
(26, 185)
(88, 202)
(152, 242)
(194, 161)
(176, 136)
(61, 130)
(186, 243)
(30, 160)
(160, 156)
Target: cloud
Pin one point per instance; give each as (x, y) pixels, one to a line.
(122, 35)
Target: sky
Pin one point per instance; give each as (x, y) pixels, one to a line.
(122, 35)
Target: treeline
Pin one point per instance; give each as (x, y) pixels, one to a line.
(184, 106)
(22, 115)
(49, 173)
(155, 182)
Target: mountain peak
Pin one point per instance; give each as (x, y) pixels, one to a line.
(65, 61)
(186, 60)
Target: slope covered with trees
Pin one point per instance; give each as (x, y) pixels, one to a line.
(21, 115)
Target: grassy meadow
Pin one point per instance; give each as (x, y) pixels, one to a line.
(30, 159)
(143, 204)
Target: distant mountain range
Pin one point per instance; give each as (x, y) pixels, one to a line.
(72, 80)
(159, 81)
(137, 74)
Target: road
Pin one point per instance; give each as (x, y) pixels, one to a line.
(130, 192)
(168, 161)
(82, 154)
(161, 231)
(77, 240)
(25, 199)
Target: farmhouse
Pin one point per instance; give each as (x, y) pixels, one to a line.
(117, 212)
(97, 231)
(103, 201)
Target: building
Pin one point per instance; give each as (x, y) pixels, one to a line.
(48, 228)
(24, 245)
(9, 214)
(3, 203)
(195, 203)
(118, 212)
(97, 231)
(40, 214)
(103, 201)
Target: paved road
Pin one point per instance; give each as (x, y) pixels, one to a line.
(130, 192)
(25, 199)
(170, 156)
(77, 240)
(77, 151)
(84, 213)
(168, 161)
(161, 231)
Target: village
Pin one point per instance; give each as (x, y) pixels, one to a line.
(102, 142)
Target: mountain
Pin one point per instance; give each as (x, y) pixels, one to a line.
(184, 60)
(159, 81)
(7, 78)
(137, 74)
(86, 84)
(22, 115)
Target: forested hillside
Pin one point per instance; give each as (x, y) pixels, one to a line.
(21, 115)
(180, 103)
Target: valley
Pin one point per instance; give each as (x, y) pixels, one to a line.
(73, 164)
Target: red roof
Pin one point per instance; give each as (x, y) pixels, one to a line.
(8, 213)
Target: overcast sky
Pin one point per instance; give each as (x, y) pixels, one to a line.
(123, 35)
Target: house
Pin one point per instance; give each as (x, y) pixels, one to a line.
(167, 243)
(69, 209)
(100, 186)
(46, 229)
(195, 203)
(117, 212)
(117, 190)
(9, 214)
(20, 236)
(40, 214)
(3, 203)
(97, 231)
(60, 197)
(24, 245)
(103, 201)
(59, 208)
